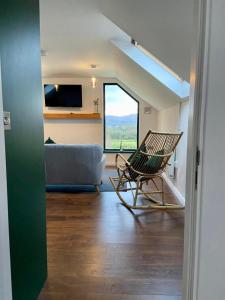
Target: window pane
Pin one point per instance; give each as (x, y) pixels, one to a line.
(121, 119)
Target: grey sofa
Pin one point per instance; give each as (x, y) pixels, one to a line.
(74, 164)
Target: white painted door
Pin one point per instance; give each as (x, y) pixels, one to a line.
(5, 271)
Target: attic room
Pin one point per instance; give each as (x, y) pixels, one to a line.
(110, 74)
(111, 161)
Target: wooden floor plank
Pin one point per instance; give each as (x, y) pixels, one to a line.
(98, 250)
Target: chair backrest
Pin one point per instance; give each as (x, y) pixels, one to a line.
(155, 143)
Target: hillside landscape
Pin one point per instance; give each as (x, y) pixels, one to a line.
(121, 132)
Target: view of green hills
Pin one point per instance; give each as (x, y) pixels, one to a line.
(121, 132)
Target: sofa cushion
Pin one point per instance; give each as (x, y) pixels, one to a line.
(74, 164)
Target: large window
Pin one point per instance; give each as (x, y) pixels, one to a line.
(120, 119)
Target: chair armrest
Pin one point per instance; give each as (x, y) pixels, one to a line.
(126, 162)
(122, 157)
(156, 155)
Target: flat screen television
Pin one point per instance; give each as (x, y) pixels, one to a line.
(63, 95)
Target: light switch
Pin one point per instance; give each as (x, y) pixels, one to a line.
(7, 120)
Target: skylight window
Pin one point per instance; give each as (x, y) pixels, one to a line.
(154, 67)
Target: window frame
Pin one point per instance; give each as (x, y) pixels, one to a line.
(104, 121)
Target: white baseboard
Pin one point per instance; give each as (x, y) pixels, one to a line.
(175, 191)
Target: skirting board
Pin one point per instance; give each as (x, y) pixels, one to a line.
(174, 190)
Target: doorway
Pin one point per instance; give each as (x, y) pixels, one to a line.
(95, 243)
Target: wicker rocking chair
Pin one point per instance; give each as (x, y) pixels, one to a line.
(145, 165)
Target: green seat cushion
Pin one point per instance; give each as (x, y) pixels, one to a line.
(154, 163)
(135, 159)
(49, 141)
(137, 155)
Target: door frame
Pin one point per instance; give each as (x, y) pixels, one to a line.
(196, 133)
(5, 270)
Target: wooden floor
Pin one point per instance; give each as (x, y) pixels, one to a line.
(98, 250)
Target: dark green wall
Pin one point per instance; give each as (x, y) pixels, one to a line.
(21, 76)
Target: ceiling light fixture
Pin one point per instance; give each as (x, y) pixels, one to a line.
(93, 79)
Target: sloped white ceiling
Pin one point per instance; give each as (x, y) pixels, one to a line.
(76, 34)
(163, 27)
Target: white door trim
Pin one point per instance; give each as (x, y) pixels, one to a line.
(196, 141)
(5, 269)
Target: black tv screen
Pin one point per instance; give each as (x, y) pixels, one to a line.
(63, 95)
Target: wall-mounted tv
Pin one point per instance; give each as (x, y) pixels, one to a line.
(63, 95)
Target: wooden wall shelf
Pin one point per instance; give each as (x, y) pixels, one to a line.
(72, 116)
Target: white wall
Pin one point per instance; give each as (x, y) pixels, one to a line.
(175, 119)
(89, 131)
(75, 131)
(168, 119)
(180, 180)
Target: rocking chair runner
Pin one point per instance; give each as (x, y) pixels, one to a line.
(146, 164)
